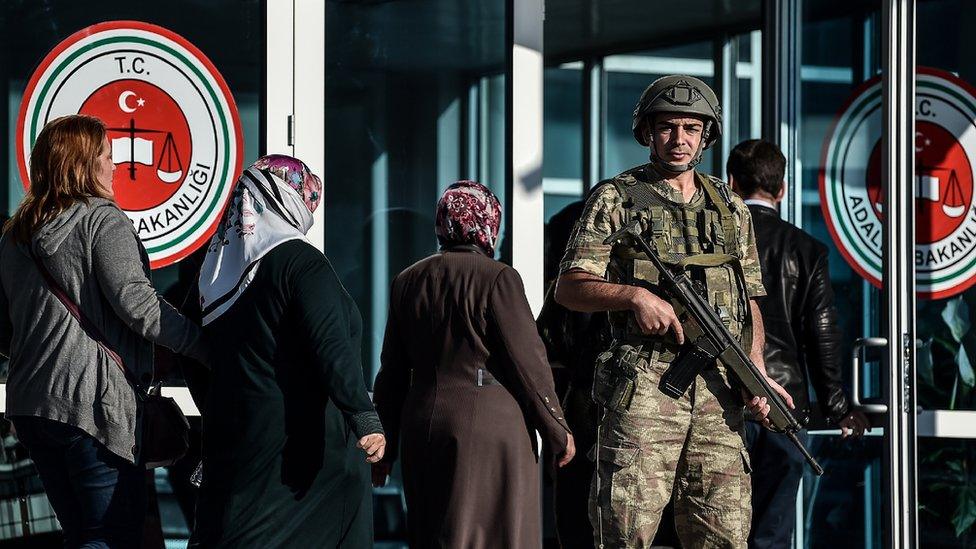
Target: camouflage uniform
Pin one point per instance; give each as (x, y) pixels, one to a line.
(648, 443)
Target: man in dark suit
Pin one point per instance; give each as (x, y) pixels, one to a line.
(803, 346)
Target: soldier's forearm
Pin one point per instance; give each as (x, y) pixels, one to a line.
(588, 293)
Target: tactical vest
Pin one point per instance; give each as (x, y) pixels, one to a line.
(700, 237)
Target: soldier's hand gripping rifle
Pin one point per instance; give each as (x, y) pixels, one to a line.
(708, 339)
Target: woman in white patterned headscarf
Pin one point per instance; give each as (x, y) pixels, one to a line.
(287, 417)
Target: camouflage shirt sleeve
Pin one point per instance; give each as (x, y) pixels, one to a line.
(602, 216)
(750, 254)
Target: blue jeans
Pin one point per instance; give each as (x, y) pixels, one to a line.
(99, 498)
(777, 467)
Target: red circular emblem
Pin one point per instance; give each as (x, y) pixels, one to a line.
(150, 141)
(943, 182)
(173, 127)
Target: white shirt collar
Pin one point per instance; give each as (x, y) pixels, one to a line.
(759, 202)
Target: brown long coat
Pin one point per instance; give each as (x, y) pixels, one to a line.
(463, 386)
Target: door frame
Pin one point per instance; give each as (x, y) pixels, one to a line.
(293, 122)
(898, 268)
(782, 59)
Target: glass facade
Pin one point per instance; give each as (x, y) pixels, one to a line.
(419, 93)
(414, 102)
(571, 94)
(946, 382)
(564, 111)
(627, 76)
(841, 49)
(839, 52)
(30, 31)
(946, 342)
(843, 508)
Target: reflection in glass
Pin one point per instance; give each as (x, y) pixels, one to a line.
(947, 492)
(839, 51)
(562, 168)
(414, 102)
(945, 339)
(841, 509)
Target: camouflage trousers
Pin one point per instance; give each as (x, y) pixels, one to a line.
(693, 446)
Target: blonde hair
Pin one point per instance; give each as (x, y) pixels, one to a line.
(63, 170)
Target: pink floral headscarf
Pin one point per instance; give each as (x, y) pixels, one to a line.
(468, 213)
(296, 174)
(272, 203)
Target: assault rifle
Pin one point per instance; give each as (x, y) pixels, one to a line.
(707, 340)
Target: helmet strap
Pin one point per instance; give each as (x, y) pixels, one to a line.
(670, 167)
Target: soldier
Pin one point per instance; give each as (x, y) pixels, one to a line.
(647, 443)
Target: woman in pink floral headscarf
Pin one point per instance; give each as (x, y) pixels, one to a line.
(288, 427)
(468, 213)
(465, 385)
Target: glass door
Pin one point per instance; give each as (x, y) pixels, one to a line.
(852, 174)
(415, 100)
(946, 342)
(232, 35)
(839, 54)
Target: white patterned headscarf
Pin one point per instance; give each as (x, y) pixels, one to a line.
(272, 203)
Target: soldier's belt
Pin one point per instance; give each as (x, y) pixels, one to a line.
(652, 347)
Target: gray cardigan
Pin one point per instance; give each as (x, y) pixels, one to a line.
(56, 370)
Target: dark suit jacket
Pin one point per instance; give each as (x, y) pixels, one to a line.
(463, 386)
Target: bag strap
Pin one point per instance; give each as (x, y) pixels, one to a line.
(87, 325)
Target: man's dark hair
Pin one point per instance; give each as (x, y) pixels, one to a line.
(757, 165)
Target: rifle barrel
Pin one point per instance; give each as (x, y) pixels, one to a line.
(806, 455)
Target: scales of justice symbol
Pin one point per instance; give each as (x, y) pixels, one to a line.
(927, 186)
(935, 181)
(133, 149)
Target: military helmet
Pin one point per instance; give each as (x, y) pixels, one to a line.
(679, 94)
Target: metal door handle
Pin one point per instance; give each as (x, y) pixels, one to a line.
(856, 364)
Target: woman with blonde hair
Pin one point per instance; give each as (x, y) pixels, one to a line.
(76, 307)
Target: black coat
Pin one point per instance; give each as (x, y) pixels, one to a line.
(285, 408)
(803, 340)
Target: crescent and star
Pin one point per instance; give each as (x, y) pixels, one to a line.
(124, 101)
